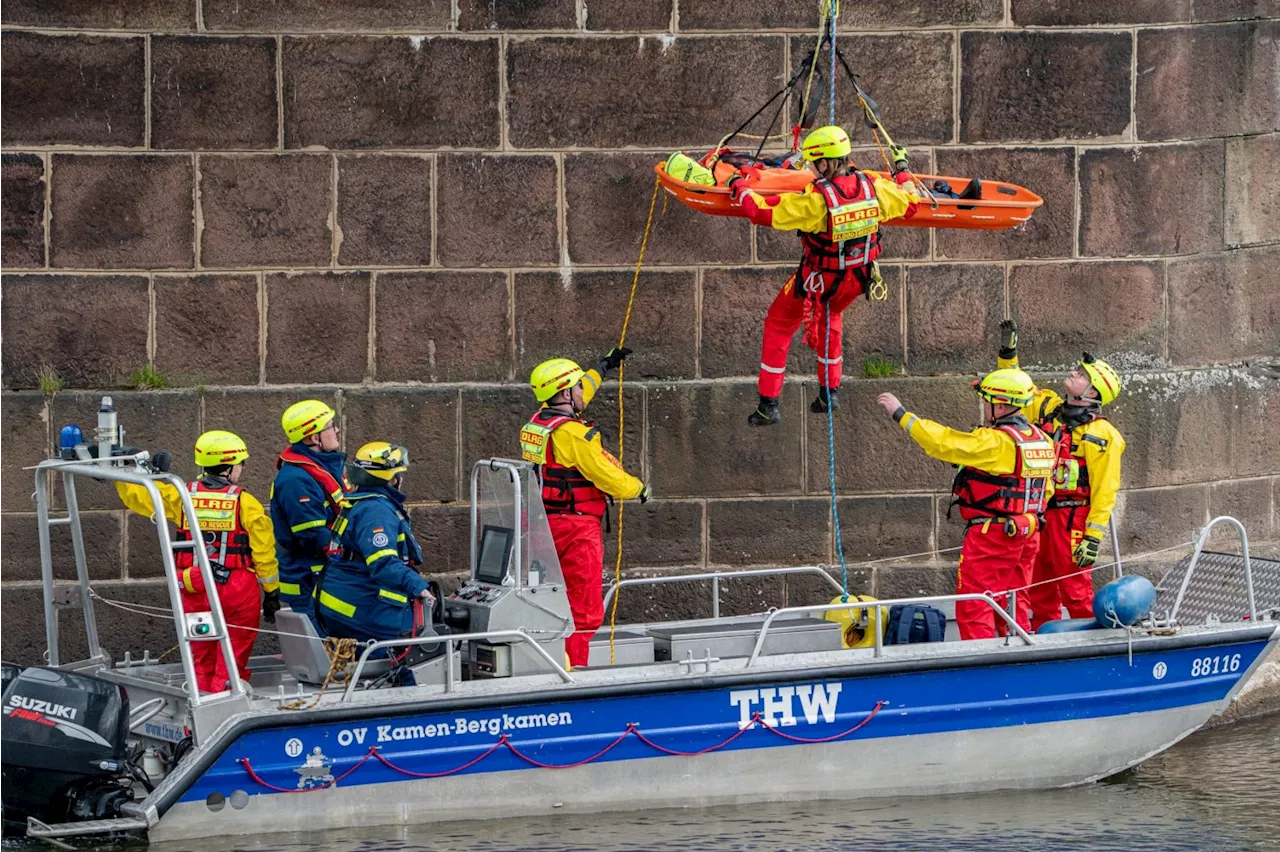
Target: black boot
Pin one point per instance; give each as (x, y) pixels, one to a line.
(766, 414)
(828, 398)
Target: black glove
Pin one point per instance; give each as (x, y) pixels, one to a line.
(1008, 338)
(270, 605)
(1086, 552)
(161, 461)
(613, 358)
(645, 493)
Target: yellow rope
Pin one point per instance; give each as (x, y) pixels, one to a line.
(622, 338)
(342, 653)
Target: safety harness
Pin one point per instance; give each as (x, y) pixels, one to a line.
(1071, 473)
(226, 541)
(981, 496)
(564, 489)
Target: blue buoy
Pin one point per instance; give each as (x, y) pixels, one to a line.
(1124, 602)
(1068, 625)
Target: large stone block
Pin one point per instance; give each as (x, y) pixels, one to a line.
(658, 533)
(497, 210)
(700, 443)
(881, 527)
(384, 210)
(266, 210)
(1128, 206)
(215, 93)
(351, 92)
(607, 198)
(327, 15)
(769, 532)
(721, 15)
(1149, 519)
(894, 582)
(21, 611)
(182, 339)
(527, 15)
(953, 316)
(25, 439)
(1253, 185)
(1048, 300)
(629, 15)
(121, 211)
(491, 421)
(22, 206)
(90, 330)
(649, 91)
(1043, 85)
(142, 543)
(911, 14)
(21, 544)
(1048, 172)
(423, 421)
(950, 530)
(668, 601)
(1232, 10)
(1208, 81)
(873, 454)
(1246, 500)
(1224, 307)
(1082, 13)
(662, 331)
(912, 75)
(72, 90)
(298, 349)
(443, 532)
(443, 327)
(167, 15)
(1255, 436)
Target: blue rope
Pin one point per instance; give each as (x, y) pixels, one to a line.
(832, 10)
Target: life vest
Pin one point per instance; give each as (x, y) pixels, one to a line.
(1071, 473)
(564, 489)
(983, 495)
(226, 541)
(406, 545)
(852, 238)
(334, 491)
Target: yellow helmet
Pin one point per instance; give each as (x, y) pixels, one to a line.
(218, 448)
(551, 377)
(1006, 387)
(1105, 380)
(826, 143)
(305, 418)
(379, 460)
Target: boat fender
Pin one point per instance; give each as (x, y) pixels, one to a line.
(1069, 625)
(856, 633)
(1124, 602)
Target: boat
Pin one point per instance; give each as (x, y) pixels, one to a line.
(481, 719)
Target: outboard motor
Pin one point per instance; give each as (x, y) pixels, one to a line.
(64, 746)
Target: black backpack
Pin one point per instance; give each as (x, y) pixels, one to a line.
(910, 623)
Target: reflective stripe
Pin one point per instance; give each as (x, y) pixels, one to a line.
(337, 605)
(394, 596)
(186, 580)
(586, 377)
(316, 569)
(830, 360)
(911, 419)
(400, 537)
(290, 588)
(272, 579)
(1099, 527)
(308, 525)
(374, 557)
(768, 369)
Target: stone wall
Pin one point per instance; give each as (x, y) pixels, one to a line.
(401, 206)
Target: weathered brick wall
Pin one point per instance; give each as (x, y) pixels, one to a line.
(401, 206)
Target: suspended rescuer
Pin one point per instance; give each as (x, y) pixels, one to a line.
(838, 217)
(579, 479)
(238, 539)
(371, 588)
(1086, 481)
(1001, 488)
(308, 493)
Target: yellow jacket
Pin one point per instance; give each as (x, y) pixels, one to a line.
(262, 539)
(807, 211)
(988, 450)
(1100, 452)
(579, 446)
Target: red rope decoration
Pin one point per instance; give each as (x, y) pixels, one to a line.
(833, 737)
(651, 744)
(458, 769)
(601, 753)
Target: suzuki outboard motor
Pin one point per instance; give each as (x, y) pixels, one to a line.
(64, 748)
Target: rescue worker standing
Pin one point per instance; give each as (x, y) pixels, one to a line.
(579, 476)
(838, 217)
(307, 495)
(1001, 488)
(238, 540)
(1086, 481)
(370, 587)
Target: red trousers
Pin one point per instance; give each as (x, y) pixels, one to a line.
(1063, 530)
(991, 560)
(580, 546)
(785, 317)
(241, 607)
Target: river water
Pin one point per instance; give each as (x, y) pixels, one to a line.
(1217, 790)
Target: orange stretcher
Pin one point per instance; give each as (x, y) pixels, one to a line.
(998, 205)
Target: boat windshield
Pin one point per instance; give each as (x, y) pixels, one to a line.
(495, 529)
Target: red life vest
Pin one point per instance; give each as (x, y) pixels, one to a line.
(564, 489)
(982, 495)
(852, 238)
(334, 491)
(226, 541)
(1071, 473)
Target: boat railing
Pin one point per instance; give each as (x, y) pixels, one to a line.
(449, 640)
(773, 615)
(716, 576)
(1195, 558)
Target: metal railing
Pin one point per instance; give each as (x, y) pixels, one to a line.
(449, 640)
(1195, 558)
(716, 576)
(1009, 620)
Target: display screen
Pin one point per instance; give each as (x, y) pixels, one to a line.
(495, 553)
